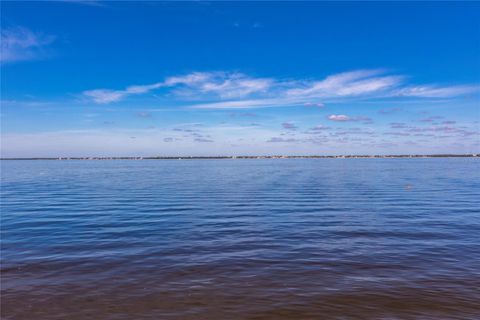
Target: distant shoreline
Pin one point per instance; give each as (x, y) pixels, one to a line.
(256, 157)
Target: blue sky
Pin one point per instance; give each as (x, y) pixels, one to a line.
(230, 78)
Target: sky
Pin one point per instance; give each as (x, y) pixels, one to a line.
(92, 78)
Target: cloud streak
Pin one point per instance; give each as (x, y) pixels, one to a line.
(353, 83)
(206, 84)
(233, 90)
(435, 91)
(221, 84)
(105, 96)
(19, 44)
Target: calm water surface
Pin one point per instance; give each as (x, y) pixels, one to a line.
(241, 239)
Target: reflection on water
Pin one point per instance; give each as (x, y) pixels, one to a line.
(241, 239)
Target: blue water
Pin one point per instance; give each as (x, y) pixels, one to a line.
(241, 239)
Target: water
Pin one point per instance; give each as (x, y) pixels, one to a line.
(241, 239)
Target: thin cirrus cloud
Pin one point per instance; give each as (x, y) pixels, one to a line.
(105, 96)
(215, 84)
(245, 104)
(313, 104)
(221, 84)
(435, 91)
(346, 84)
(233, 90)
(19, 44)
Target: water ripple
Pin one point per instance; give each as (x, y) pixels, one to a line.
(243, 239)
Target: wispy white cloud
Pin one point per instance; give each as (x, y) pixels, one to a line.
(194, 78)
(19, 43)
(222, 84)
(143, 89)
(313, 104)
(339, 117)
(345, 84)
(233, 90)
(104, 96)
(242, 104)
(431, 91)
(215, 84)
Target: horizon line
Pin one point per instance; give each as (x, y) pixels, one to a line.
(446, 155)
